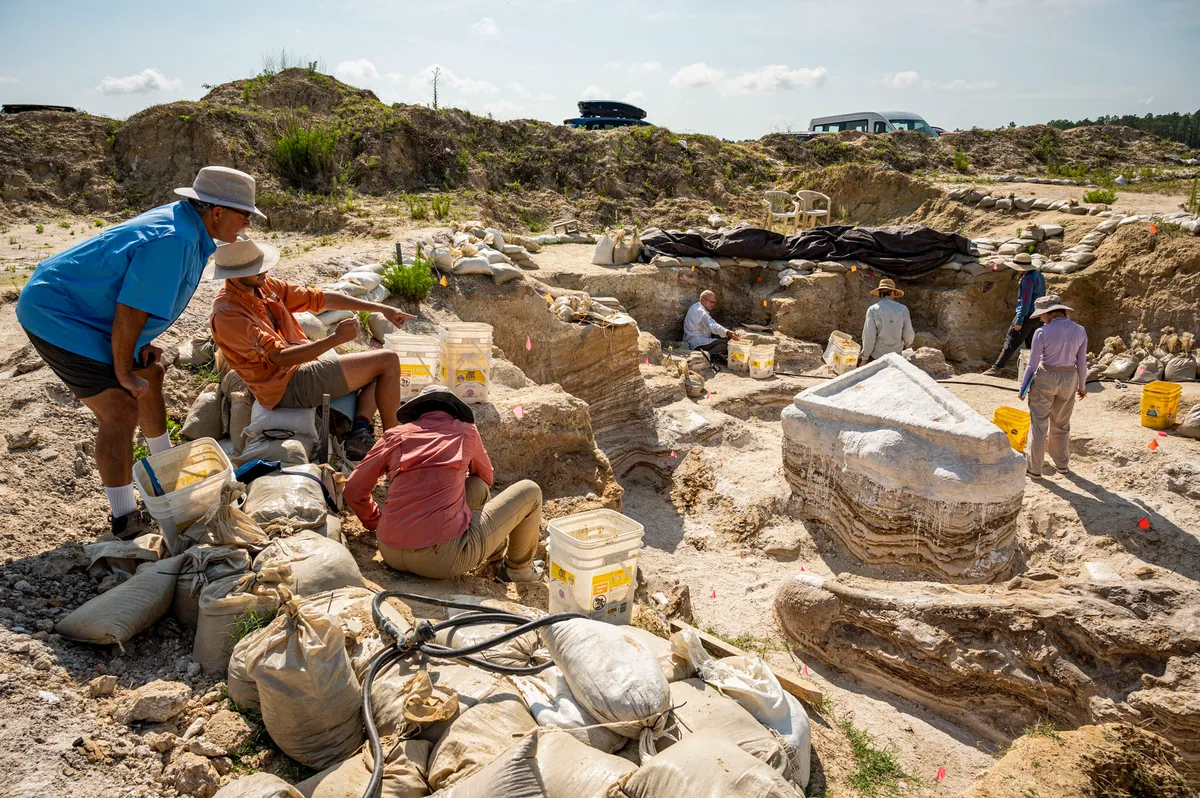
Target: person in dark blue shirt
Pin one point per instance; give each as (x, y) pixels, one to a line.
(94, 310)
(1020, 333)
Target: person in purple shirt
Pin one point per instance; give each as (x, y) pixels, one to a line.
(1056, 376)
(1031, 288)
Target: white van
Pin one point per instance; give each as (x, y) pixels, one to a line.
(872, 122)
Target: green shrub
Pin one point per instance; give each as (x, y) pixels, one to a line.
(961, 162)
(1193, 201)
(413, 282)
(306, 156)
(65, 225)
(98, 222)
(41, 228)
(441, 207)
(1105, 196)
(418, 208)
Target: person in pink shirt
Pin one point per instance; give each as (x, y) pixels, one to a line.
(437, 520)
(1055, 377)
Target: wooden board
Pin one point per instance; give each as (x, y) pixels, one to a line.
(794, 683)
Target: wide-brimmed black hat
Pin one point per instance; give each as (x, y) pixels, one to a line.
(431, 398)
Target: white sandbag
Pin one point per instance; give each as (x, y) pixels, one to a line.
(494, 256)
(241, 408)
(699, 707)
(331, 318)
(1122, 366)
(258, 785)
(549, 698)
(1189, 424)
(497, 238)
(675, 667)
(472, 265)
(204, 418)
(309, 695)
(708, 263)
(706, 764)
(131, 607)
(226, 606)
(343, 287)
(479, 736)
(379, 326)
(612, 675)
(502, 273)
(368, 280)
(405, 763)
(1180, 368)
(1148, 370)
(546, 765)
(377, 294)
(314, 329)
(442, 258)
(288, 451)
(520, 652)
(300, 421)
(317, 564)
(603, 254)
(226, 525)
(288, 499)
(201, 566)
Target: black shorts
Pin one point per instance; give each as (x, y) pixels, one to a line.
(85, 377)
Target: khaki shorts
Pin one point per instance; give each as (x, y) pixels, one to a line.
(311, 381)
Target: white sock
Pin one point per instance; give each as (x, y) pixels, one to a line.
(159, 444)
(122, 500)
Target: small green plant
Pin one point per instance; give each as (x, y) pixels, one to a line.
(441, 206)
(1193, 201)
(184, 118)
(418, 208)
(98, 222)
(65, 225)
(877, 771)
(1042, 729)
(41, 228)
(1105, 196)
(306, 155)
(413, 282)
(364, 319)
(12, 240)
(532, 221)
(248, 623)
(961, 162)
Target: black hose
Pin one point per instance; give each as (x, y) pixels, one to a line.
(420, 640)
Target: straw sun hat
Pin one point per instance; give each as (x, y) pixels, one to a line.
(887, 285)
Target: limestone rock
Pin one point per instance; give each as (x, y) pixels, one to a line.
(903, 472)
(192, 775)
(102, 686)
(156, 702)
(932, 362)
(227, 731)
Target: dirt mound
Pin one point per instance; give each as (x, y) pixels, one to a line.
(866, 193)
(1036, 149)
(61, 159)
(1113, 760)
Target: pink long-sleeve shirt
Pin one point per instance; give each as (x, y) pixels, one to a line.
(1060, 343)
(427, 463)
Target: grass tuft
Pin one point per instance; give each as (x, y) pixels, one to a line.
(1104, 196)
(305, 156)
(877, 771)
(413, 282)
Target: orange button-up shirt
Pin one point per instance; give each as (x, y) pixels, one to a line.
(250, 327)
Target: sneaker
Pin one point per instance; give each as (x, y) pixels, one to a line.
(358, 443)
(1062, 469)
(1033, 475)
(532, 573)
(132, 525)
(992, 372)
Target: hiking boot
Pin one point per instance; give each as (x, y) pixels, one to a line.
(992, 372)
(530, 573)
(132, 525)
(358, 443)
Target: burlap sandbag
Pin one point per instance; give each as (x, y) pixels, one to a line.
(241, 407)
(258, 785)
(405, 763)
(520, 652)
(546, 765)
(226, 525)
(1180, 368)
(706, 764)
(1122, 366)
(203, 565)
(128, 609)
(699, 707)
(309, 695)
(479, 736)
(1189, 424)
(392, 688)
(284, 502)
(224, 607)
(549, 699)
(288, 451)
(204, 419)
(123, 556)
(675, 668)
(317, 563)
(613, 675)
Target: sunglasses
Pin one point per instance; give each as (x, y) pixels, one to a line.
(244, 214)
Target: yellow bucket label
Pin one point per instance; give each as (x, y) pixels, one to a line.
(560, 574)
(469, 375)
(411, 370)
(761, 364)
(737, 357)
(602, 583)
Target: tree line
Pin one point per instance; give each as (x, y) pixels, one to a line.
(1174, 126)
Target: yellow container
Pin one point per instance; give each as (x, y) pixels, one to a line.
(1015, 424)
(1160, 404)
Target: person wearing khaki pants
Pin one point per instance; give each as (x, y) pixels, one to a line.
(437, 521)
(1055, 377)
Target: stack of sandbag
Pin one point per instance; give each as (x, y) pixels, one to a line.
(294, 498)
(619, 248)
(1113, 346)
(232, 606)
(315, 563)
(475, 249)
(584, 308)
(226, 525)
(288, 435)
(1180, 363)
(130, 608)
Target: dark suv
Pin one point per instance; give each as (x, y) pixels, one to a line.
(606, 115)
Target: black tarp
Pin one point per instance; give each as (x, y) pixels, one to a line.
(904, 251)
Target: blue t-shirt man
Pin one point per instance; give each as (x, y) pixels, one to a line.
(152, 263)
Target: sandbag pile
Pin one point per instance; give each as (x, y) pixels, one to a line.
(1172, 359)
(580, 307)
(475, 249)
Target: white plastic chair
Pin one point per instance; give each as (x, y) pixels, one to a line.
(809, 203)
(782, 205)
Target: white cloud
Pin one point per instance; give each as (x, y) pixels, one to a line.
(696, 75)
(502, 108)
(424, 78)
(146, 81)
(8, 79)
(358, 70)
(519, 90)
(775, 78)
(1148, 100)
(646, 66)
(594, 92)
(901, 80)
(634, 97)
(485, 28)
(958, 84)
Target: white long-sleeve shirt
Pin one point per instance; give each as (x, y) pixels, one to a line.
(887, 329)
(699, 328)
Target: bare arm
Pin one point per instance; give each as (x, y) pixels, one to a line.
(336, 301)
(127, 328)
(304, 353)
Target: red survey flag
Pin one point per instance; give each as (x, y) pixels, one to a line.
(519, 411)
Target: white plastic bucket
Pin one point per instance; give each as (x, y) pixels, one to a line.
(467, 360)
(191, 476)
(593, 565)
(1023, 362)
(762, 361)
(420, 361)
(841, 352)
(739, 355)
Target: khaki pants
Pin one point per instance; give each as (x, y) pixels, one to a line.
(509, 523)
(1051, 400)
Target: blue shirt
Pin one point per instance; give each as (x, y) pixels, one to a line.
(152, 262)
(1033, 288)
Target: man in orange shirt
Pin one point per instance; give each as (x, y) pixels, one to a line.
(253, 326)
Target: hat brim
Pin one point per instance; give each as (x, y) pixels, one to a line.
(191, 193)
(268, 256)
(895, 291)
(1044, 311)
(1021, 267)
(436, 400)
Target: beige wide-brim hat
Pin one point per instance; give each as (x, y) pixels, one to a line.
(220, 185)
(889, 285)
(1022, 262)
(1048, 303)
(242, 258)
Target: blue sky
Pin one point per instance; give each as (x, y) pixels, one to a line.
(738, 70)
